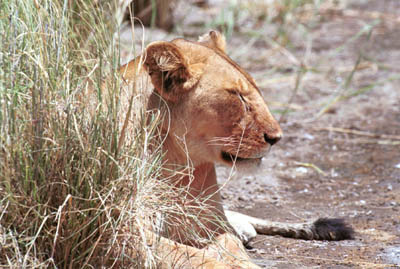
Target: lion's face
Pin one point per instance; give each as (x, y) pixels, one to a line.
(215, 107)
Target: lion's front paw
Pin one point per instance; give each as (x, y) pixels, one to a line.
(244, 230)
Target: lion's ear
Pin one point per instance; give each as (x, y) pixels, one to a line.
(214, 39)
(168, 70)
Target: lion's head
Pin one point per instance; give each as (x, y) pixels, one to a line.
(216, 111)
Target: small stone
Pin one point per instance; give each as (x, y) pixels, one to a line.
(308, 136)
(301, 170)
(362, 202)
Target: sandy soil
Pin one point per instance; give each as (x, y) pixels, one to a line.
(337, 159)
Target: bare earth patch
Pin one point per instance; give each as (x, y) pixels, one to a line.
(332, 165)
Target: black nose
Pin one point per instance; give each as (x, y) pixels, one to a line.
(272, 139)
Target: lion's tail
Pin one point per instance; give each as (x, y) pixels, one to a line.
(321, 229)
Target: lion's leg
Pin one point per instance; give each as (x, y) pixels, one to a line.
(226, 253)
(229, 249)
(172, 254)
(242, 226)
(322, 229)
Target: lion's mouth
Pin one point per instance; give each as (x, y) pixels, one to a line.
(228, 157)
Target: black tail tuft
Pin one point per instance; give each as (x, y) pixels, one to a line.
(333, 229)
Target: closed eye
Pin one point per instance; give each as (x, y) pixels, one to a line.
(246, 105)
(242, 99)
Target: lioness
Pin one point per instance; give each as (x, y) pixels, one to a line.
(216, 115)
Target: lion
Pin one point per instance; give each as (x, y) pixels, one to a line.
(216, 115)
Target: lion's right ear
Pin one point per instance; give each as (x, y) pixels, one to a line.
(168, 70)
(214, 39)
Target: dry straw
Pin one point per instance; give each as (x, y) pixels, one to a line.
(77, 188)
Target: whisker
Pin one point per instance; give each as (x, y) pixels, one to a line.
(221, 141)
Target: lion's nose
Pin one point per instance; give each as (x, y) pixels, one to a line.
(272, 139)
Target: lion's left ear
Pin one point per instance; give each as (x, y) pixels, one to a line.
(169, 70)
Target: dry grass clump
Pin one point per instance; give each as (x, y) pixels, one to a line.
(71, 184)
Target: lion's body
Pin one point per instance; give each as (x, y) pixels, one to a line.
(216, 114)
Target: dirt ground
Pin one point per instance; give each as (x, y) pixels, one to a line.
(340, 155)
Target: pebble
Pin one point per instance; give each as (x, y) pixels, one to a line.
(361, 202)
(308, 136)
(301, 170)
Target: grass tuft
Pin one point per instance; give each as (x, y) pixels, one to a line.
(81, 165)
(68, 174)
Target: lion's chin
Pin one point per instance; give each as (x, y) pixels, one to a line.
(240, 162)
